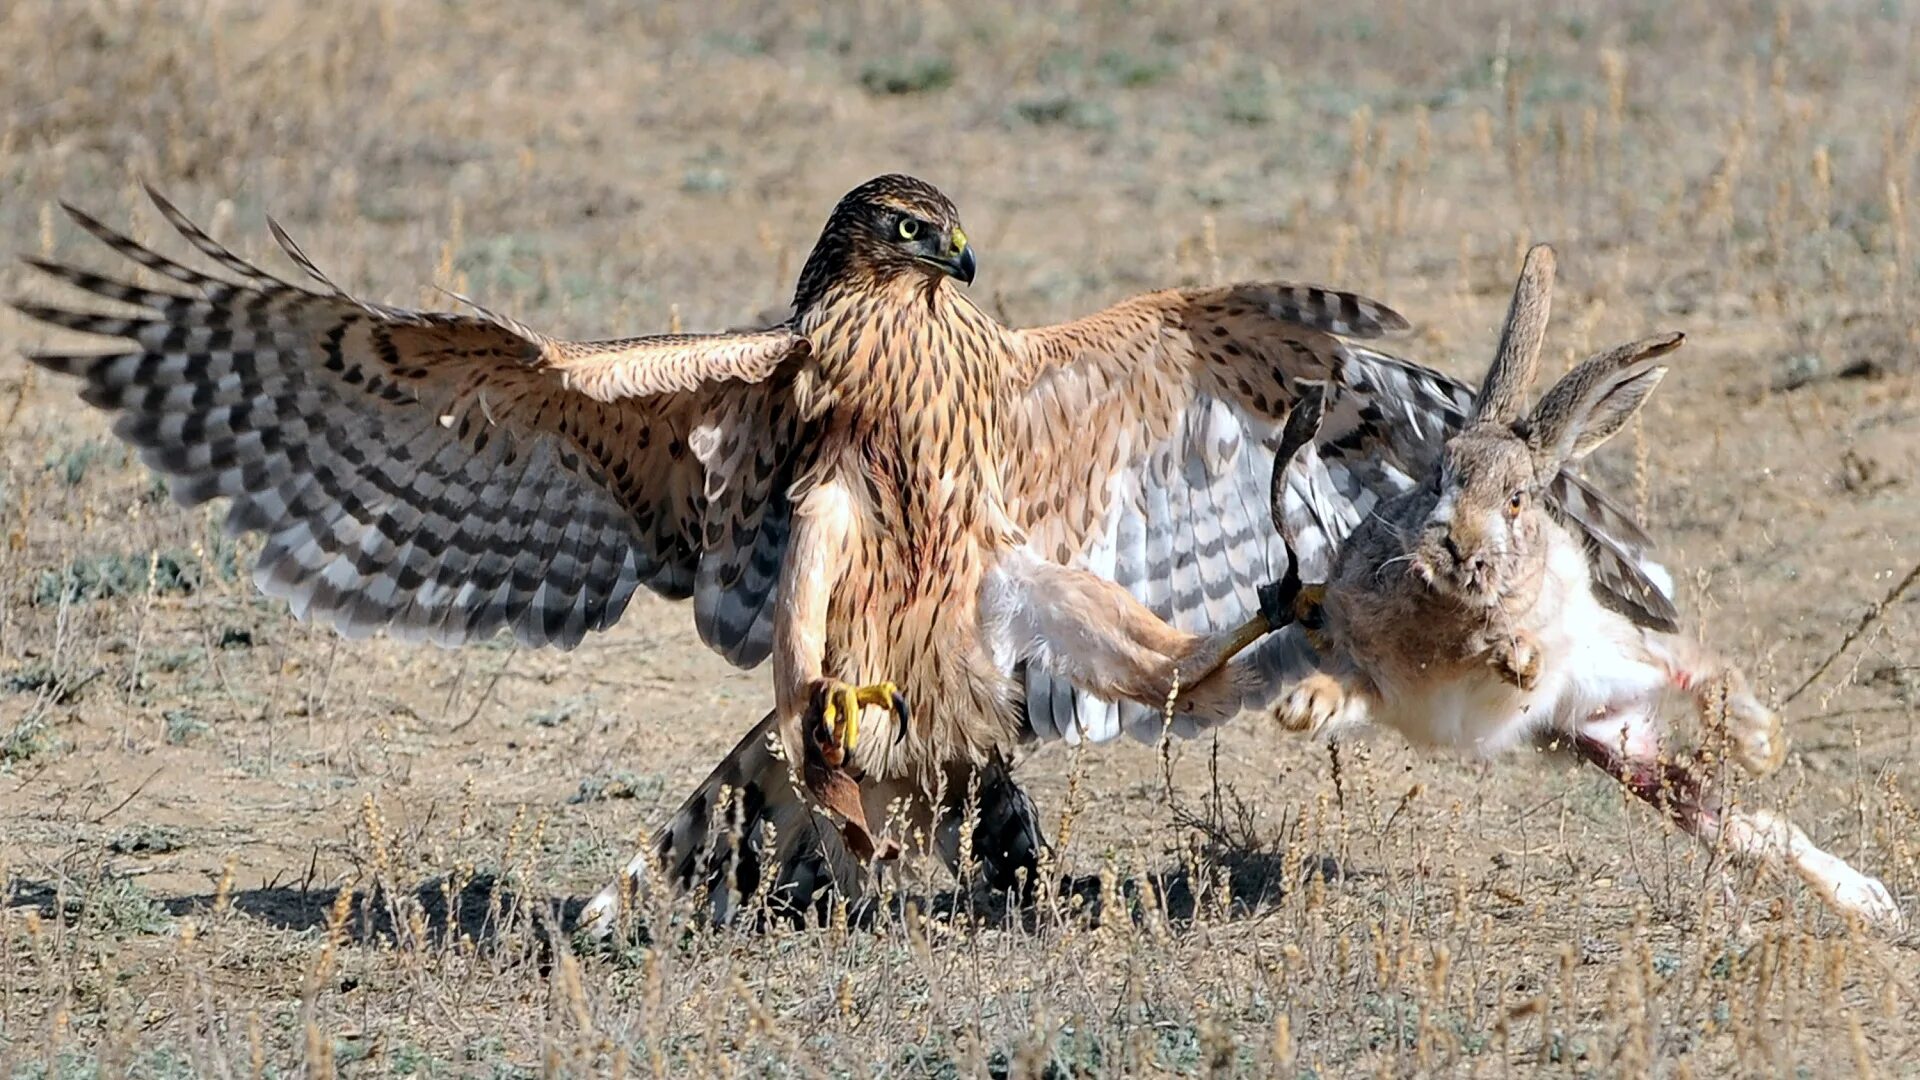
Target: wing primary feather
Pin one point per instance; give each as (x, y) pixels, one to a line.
(206, 244)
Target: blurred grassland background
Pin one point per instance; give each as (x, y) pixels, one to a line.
(231, 844)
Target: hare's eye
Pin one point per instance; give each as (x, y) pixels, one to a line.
(909, 228)
(1515, 501)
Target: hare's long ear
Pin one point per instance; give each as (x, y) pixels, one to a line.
(1595, 400)
(1518, 360)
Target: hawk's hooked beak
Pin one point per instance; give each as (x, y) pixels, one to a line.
(959, 262)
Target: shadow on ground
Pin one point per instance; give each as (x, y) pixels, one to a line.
(484, 909)
(1254, 880)
(479, 910)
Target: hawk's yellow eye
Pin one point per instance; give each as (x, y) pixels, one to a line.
(909, 228)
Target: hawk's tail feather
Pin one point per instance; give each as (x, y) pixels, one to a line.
(1007, 837)
(748, 840)
(745, 818)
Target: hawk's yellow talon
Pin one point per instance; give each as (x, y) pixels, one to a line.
(842, 705)
(850, 709)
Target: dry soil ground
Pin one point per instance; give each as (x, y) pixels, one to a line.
(228, 841)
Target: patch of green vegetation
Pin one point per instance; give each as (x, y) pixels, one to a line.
(1078, 1052)
(351, 1049)
(1561, 1050)
(927, 1061)
(1066, 110)
(32, 679)
(1131, 71)
(739, 44)
(73, 463)
(222, 552)
(562, 712)
(31, 735)
(183, 726)
(102, 577)
(161, 1063)
(119, 907)
(500, 266)
(908, 74)
(1179, 1048)
(26, 739)
(490, 1050)
(621, 785)
(1119, 68)
(173, 660)
(1248, 99)
(147, 840)
(706, 180)
(502, 641)
(407, 1059)
(1058, 64)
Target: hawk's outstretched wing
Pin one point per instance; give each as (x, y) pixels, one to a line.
(446, 475)
(1143, 451)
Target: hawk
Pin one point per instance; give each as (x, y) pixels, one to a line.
(950, 536)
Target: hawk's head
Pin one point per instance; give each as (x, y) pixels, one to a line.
(889, 226)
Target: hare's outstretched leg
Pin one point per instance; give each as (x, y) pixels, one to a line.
(1627, 748)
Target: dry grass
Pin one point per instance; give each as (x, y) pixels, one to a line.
(233, 845)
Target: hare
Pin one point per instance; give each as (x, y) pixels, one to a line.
(1461, 613)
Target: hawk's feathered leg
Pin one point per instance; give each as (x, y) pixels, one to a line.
(818, 719)
(1092, 632)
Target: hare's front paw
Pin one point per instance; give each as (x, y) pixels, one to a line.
(1517, 659)
(1312, 704)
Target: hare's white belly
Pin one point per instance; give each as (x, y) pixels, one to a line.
(1475, 716)
(1592, 661)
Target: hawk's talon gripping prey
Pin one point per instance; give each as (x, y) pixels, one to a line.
(833, 716)
(831, 726)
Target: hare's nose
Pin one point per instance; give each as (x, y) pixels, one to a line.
(1472, 564)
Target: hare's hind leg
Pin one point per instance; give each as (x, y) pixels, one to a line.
(1626, 747)
(1764, 836)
